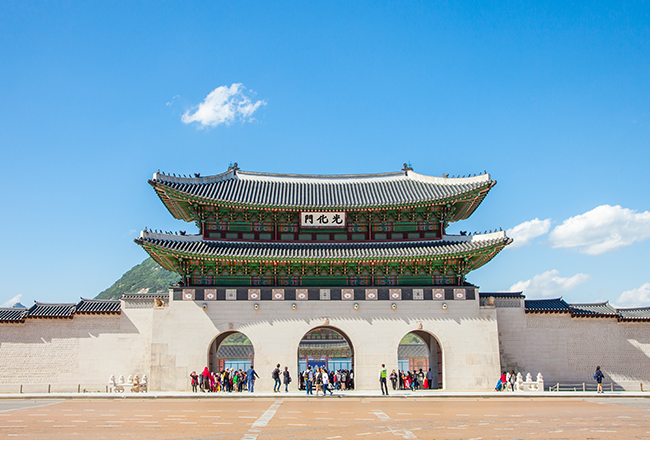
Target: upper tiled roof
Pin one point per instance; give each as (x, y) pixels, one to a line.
(145, 295)
(196, 245)
(504, 295)
(93, 306)
(13, 315)
(634, 314)
(51, 310)
(321, 191)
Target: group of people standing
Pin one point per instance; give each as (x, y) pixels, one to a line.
(229, 380)
(506, 382)
(416, 380)
(325, 381)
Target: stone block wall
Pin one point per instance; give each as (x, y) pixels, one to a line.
(568, 350)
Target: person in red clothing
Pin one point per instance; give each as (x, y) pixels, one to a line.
(503, 380)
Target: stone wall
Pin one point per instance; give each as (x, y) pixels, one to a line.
(568, 350)
(72, 354)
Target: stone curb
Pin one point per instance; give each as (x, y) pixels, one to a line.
(338, 395)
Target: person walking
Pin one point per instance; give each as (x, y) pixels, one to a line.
(429, 377)
(276, 375)
(251, 376)
(286, 378)
(326, 383)
(309, 381)
(393, 379)
(599, 376)
(383, 374)
(193, 381)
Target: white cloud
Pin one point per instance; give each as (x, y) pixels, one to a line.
(549, 284)
(12, 301)
(223, 105)
(639, 297)
(605, 228)
(523, 233)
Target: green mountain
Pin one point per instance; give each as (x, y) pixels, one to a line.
(145, 277)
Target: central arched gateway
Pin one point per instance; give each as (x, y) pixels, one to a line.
(325, 347)
(420, 351)
(231, 350)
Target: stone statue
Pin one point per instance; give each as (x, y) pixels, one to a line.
(121, 380)
(158, 303)
(135, 384)
(519, 381)
(143, 385)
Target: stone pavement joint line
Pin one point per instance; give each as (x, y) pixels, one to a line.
(262, 421)
(406, 434)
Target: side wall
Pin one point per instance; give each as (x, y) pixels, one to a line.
(72, 354)
(568, 350)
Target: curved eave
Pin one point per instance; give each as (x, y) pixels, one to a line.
(179, 203)
(161, 251)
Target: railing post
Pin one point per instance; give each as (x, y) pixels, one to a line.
(641, 386)
(583, 387)
(611, 386)
(558, 386)
(78, 388)
(21, 389)
(49, 390)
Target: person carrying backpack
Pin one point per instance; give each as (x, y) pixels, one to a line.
(276, 375)
(599, 376)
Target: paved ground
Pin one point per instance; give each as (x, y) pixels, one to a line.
(347, 418)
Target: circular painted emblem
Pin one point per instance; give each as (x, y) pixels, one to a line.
(254, 296)
(189, 296)
(277, 296)
(210, 295)
(301, 295)
(459, 295)
(371, 295)
(438, 295)
(347, 295)
(396, 295)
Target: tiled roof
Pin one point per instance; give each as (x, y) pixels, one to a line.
(51, 310)
(592, 309)
(503, 295)
(93, 306)
(450, 245)
(145, 295)
(412, 350)
(634, 314)
(322, 192)
(547, 306)
(13, 315)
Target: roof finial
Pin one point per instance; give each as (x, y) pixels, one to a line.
(407, 167)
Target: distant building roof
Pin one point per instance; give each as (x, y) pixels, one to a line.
(145, 295)
(592, 309)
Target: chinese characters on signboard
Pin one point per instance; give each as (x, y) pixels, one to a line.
(323, 219)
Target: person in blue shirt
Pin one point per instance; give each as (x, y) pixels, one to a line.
(251, 376)
(599, 376)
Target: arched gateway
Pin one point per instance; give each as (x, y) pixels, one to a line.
(367, 254)
(419, 352)
(231, 350)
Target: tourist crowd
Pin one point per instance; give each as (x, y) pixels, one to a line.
(408, 380)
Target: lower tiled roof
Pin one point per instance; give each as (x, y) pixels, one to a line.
(547, 306)
(13, 315)
(592, 309)
(634, 314)
(52, 310)
(94, 306)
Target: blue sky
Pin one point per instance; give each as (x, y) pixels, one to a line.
(552, 99)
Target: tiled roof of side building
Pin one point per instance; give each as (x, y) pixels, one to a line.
(450, 245)
(634, 314)
(145, 295)
(511, 295)
(546, 306)
(95, 306)
(321, 192)
(13, 315)
(51, 310)
(592, 309)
